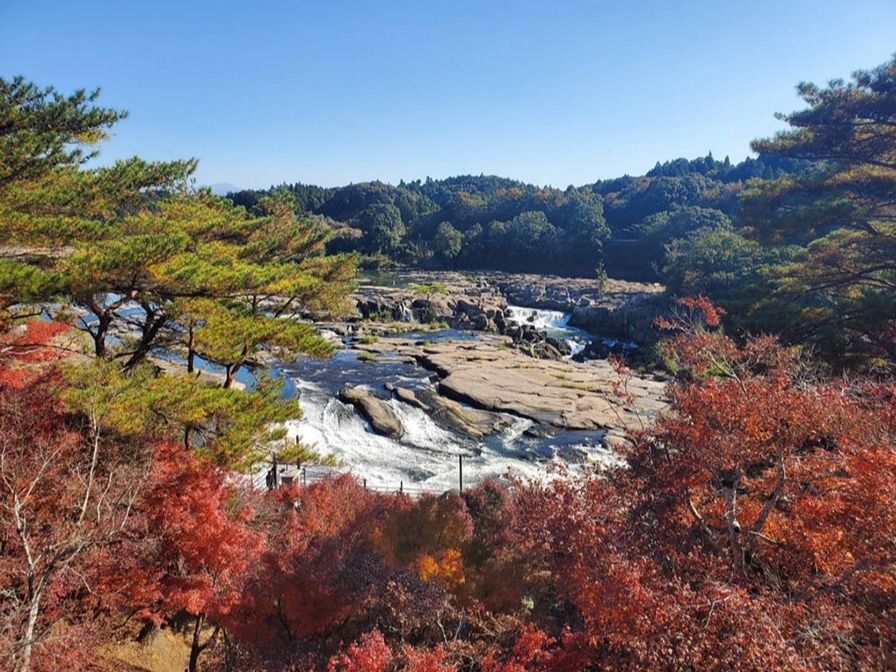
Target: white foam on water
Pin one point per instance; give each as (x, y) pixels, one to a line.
(554, 322)
(425, 457)
(543, 320)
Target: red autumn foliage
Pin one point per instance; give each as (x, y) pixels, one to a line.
(299, 590)
(65, 497)
(28, 345)
(532, 652)
(422, 660)
(369, 654)
(750, 529)
(199, 545)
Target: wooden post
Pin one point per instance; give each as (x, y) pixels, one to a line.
(304, 478)
(400, 487)
(460, 469)
(275, 468)
(365, 483)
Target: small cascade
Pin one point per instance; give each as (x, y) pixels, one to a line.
(404, 313)
(554, 323)
(542, 320)
(510, 438)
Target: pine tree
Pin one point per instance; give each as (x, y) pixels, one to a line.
(841, 212)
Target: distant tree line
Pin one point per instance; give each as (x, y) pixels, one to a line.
(479, 222)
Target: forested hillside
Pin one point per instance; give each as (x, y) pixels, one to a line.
(488, 222)
(798, 241)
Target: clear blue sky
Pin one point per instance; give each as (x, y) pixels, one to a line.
(336, 91)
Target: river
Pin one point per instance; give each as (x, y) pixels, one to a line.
(427, 455)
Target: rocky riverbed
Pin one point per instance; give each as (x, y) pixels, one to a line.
(613, 308)
(436, 365)
(511, 367)
(489, 376)
(622, 313)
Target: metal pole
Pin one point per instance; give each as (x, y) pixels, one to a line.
(460, 469)
(304, 478)
(365, 483)
(400, 487)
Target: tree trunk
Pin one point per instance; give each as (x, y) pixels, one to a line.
(195, 649)
(150, 331)
(231, 376)
(24, 663)
(99, 337)
(191, 353)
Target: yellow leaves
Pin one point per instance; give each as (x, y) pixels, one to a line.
(446, 567)
(90, 136)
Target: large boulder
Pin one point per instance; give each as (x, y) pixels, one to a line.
(376, 411)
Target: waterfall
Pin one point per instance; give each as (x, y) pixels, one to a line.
(542, 320)
(554, 322)
(404, 313)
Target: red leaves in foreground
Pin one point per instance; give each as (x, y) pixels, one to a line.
(206, 543)
(65, 497)
(371, 654)
(752, 528)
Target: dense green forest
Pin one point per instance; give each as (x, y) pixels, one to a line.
(487, 222)
(751, 527)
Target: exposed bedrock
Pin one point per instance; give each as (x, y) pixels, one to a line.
(491, 377)
(615, 308)
(381, 418)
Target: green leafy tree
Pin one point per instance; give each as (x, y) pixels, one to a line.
(660, 229)
(448, 241)
(383, 228)
(717, 261)
(532, 238)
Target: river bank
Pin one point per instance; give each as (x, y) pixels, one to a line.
(437, 365)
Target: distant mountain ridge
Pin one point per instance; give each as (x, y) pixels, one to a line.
(224, 188)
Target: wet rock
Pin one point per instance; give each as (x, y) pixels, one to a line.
(408, 397)
(561, 346)
(381, 418)
(471, 422)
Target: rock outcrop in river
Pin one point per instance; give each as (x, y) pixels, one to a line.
(565, 395)
(374, 410)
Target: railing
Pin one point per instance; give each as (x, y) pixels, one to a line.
(309, 474)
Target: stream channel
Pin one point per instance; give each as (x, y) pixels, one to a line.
(426, 457)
